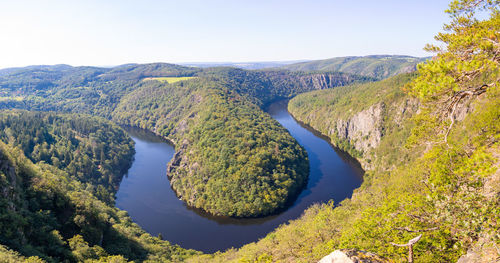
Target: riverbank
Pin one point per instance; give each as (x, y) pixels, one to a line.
(147, 196)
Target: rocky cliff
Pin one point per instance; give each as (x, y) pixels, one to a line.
(321, 81)
(357, 117)
(363, 130)
(8, 182)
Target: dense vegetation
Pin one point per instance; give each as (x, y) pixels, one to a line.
(263, 87)
(91, 149)
(88, 90)
(376, 66)
(447, 188)
(47, 214)
(232, 159)
(214, 116)
(343, 103)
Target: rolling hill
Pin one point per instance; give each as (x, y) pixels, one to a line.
(376, 66)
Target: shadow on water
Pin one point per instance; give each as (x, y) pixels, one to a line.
(146, 135)
(346, 157)
(146, 194)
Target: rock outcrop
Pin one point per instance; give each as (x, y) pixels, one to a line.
(353, 256)
(486, 249)
(323, 81)
(179, 160)
(8, 191)
(363, 130)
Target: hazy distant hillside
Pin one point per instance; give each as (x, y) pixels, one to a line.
(377, 66)
(243, 65)
(45, 76)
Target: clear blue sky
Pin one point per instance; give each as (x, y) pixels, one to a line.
(111, 32)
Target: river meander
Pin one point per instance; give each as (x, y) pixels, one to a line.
(146, 195)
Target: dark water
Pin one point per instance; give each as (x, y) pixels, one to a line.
(146, 194)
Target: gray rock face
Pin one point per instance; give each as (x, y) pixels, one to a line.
(485, 250)
(352, 256)
(178, 161)
(8, 191)
(363, 130)
(323, 81)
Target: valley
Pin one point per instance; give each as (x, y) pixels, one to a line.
(349, 156)
(146, 194)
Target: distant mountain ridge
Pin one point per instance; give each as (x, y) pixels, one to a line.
(376, 66)
(242, 65)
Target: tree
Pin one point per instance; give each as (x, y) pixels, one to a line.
(468, 64)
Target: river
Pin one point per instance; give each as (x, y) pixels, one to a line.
(146, 195)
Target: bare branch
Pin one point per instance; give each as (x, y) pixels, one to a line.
(410, 243)
(417, 231)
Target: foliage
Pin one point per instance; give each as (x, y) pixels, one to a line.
(91, 149)
(468, 65)
(46, 213)
(323, 108)
(233, 159)
(10, 256)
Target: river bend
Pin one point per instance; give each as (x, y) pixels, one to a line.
(146, 195)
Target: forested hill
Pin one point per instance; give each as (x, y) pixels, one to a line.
(376, 66)
(265, 86)
(230, 155)
(98, 91)
(90, 90)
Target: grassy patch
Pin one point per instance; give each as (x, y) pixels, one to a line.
(169, 80)
(16, 98)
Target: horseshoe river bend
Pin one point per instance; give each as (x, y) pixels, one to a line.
(146, 195)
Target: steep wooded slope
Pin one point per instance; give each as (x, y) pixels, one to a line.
(94, 151)
(49, 213)
(356, 118)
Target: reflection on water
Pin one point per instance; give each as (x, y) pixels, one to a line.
(146, 194)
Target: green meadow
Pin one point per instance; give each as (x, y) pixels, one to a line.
(169, 80)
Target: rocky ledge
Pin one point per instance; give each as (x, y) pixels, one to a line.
(353, 256)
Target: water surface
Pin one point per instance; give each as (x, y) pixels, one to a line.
(146, 194)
